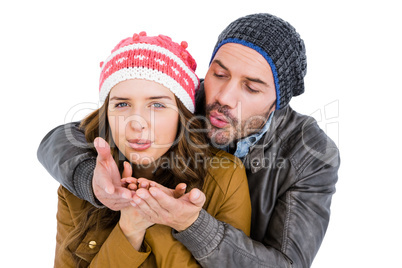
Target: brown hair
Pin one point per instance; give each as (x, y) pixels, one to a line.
(186, 161)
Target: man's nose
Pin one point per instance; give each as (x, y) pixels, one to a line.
(227, 95)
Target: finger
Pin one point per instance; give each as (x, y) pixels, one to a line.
(130, 180)
(122, 193)
(145, 183)
(197, 197)
(147, 203)
(165, 201)
(166, 190)
(127, 171)
(145, 195)
(179, 190)
(132, 186)
(103, 149)
(124, 182)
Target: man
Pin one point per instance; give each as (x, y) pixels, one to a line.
(258, 64)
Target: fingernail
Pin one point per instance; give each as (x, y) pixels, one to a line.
(197, 194)
(107, 190)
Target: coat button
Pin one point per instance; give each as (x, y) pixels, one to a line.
(92, 244)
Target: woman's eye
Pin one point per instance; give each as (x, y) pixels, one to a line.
(158, 105)
(121, 105)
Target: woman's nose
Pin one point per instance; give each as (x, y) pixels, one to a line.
(137, 122)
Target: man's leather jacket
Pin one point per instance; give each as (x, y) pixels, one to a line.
(291, 172)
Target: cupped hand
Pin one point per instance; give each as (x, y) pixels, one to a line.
(106, 181)
(161, 207)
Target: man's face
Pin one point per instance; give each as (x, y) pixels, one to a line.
(239, 92)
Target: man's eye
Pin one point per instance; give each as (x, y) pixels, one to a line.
(252, 90)
(219, 75)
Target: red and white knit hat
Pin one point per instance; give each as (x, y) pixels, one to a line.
(154, 58)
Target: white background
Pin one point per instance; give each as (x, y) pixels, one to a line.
(49, 59)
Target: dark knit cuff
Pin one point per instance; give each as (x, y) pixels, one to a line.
(82, 178)
(203, 236)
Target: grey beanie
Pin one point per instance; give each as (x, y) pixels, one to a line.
(279, 43)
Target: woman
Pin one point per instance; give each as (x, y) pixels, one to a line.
(147, 85)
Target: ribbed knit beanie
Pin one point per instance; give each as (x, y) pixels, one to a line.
(279, 43)
(154, 58)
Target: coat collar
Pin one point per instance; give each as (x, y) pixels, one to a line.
(256, 158)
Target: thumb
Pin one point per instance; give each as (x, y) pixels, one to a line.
(103, 149)
(127, 172)
(197, 197)
(179, 190)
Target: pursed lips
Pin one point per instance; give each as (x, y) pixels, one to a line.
(139, 144)
(218, 120)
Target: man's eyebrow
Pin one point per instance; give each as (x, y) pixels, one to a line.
(256, 80)
(220, 64)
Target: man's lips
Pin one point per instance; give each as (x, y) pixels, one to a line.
(218, 120)
(139, 144)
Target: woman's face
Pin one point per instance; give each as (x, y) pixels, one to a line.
(143, 118)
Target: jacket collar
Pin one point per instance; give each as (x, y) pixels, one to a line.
(256, 158)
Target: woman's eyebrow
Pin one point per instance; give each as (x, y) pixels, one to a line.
(149, 98)
(159, 97)
(118, 98)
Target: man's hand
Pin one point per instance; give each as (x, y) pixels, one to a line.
(163, 208)
(106, 180)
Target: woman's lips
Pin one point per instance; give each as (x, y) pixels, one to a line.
(218, 120)
(139, 145)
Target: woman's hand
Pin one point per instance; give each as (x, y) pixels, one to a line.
(142, 183)
(106, 178)
(133, 222)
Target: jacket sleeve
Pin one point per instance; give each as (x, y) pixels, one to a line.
(118, 252)
(65, 154)
(293, 236)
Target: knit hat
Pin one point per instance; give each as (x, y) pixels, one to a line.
(154, 58)
(279, 43)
